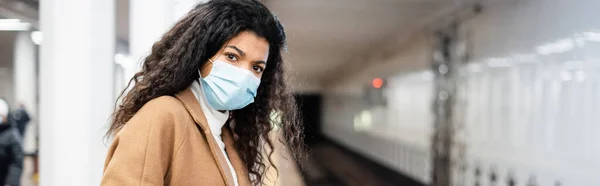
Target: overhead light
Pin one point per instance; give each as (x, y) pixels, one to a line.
(592, 36)
(2, 21)
(13, 25)
(36, 37)
(560, 46)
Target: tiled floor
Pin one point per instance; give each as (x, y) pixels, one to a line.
(331, 165)
(27, 177)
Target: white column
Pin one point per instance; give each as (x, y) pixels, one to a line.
(182, 7)
(148, 21)
(24, 69)
(25, 81)
(76, 81)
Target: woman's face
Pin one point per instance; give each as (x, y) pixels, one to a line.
(246, 51)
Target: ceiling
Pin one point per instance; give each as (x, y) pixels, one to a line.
(328, 40)
(7, 40)
(327, 37)
(25, 10)
(324, 36)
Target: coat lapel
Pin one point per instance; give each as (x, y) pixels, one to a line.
(237, 163)
(193, 107)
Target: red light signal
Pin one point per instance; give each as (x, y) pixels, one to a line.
(377, 83)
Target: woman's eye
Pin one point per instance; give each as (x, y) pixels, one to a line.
(231, 57)
(258, 69)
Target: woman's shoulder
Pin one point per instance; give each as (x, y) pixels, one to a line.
(163, 112)
(163, 105)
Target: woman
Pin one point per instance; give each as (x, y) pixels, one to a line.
(4, 108)
(11, 155)
(201, 109)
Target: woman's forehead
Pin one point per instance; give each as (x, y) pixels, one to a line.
(250, 45)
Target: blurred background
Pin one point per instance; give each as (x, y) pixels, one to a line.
(394, 92)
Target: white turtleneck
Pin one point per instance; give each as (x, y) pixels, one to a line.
(216, 120)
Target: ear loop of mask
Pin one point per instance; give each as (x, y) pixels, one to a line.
(211, 61)
(200, 72)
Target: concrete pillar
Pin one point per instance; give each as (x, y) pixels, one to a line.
(182, 7)
(76, 96)
(7, 40)
(149, 20)
(25, 82)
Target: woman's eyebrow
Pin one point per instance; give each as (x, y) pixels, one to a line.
(260, 62)
(237, 49)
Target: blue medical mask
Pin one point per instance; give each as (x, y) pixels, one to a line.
(228, 87)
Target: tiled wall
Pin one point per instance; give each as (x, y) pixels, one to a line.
(532, 90)
(531, 107)
(396, 135)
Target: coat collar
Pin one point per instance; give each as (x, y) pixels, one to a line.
(193, 107)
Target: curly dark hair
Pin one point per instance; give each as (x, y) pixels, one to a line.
(173, 66)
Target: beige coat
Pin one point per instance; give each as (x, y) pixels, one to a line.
(166, 143)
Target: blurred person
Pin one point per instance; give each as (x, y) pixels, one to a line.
(11, 154)
(4, 108)
(199, 111)
(20, 119)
